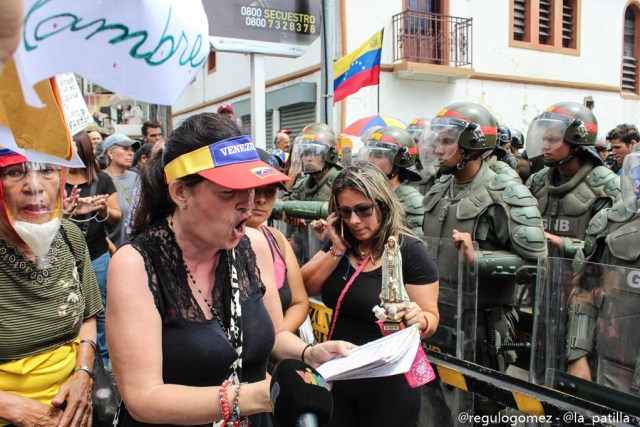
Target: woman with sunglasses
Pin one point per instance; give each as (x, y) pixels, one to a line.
(193, 312)
(366, 213)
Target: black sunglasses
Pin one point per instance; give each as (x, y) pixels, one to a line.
(362, 211)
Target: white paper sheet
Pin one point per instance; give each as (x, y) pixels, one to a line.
(149, 50)
(389, 355)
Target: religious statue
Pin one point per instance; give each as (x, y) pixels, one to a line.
(393, 296)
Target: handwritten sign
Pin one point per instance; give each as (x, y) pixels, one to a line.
(75, 110)
(146, 49)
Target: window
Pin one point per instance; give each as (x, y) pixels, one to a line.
(211, 62)
(630, 55)
(549, 25)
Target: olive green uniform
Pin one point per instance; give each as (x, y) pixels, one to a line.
(501, 215)
(568, 206)
(307, 189)
(411, 201)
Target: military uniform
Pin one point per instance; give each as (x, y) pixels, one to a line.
(308, 189)
(428, 178)
(500, 167)
(612, 240)
(501, 215)
(411, 201)
(567, 207)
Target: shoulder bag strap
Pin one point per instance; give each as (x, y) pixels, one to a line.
(344, 292)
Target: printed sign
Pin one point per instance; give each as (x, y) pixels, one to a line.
(272, 27)
(74, 108)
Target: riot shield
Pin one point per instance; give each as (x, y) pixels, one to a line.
(585, 339)
(456, 333)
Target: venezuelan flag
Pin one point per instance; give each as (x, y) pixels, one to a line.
(358, 69)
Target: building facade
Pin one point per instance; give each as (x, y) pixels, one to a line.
(515, 57)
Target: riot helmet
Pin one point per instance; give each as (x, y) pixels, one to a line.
(391, 149)
(464, 125)
(566, 122)
(315, 151)
(316, 127)
(517, 139)
(504, 135)
(416, 127)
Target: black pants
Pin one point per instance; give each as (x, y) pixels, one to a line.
(371, 402)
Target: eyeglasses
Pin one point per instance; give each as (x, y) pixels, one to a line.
(20, 171)
(362, 211)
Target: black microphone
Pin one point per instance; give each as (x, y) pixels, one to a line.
(300, 396)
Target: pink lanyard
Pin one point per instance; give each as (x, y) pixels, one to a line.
(344, 291)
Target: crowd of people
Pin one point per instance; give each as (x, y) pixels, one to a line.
(203, 284)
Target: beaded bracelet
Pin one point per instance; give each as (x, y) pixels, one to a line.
(224, 402)
(336, 255)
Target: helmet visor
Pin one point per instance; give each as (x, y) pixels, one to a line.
(439, 142)
(630, 182)
(380, 156)
(415, 131)
(308, 156)
(545, 135)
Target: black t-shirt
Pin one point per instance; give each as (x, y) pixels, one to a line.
(356, 321)
(93, 230)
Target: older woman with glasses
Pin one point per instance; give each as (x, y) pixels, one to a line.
(48, 301)
(366, 213)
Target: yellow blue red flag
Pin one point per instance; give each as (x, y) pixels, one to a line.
(358, 69)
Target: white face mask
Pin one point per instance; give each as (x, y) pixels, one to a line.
(39, 238)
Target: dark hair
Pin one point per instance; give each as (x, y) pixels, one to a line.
(195, 132)
(625, 133)
(368, 179)
(85, 152)
(150, 124)
(144, 150)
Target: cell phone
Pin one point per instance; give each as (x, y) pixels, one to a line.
(339, 227)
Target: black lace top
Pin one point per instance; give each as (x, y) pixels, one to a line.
(195, 350)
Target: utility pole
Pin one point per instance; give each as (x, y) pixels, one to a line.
(326, 64)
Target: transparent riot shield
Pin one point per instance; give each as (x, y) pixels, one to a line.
(586, 341)
(456, 333)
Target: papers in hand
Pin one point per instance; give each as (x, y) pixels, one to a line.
(390, 355)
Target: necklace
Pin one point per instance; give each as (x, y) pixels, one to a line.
(360, 256)
(234, 331)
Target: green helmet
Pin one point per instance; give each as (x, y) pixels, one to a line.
(317, 127)
(394, 151)
(416, 127)
(570, 122)
(477, 127)
(317, 143)
(392, 142)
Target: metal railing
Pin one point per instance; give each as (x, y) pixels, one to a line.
(432, 38)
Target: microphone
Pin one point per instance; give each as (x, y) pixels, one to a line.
(300, 396)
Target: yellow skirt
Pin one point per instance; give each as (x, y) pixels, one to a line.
(39, 377)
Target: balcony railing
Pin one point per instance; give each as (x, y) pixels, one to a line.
(432, 38)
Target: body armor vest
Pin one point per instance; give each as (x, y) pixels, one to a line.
(308, 190)
(566, 208)
(411, 201)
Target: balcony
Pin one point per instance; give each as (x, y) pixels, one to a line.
(431, 46)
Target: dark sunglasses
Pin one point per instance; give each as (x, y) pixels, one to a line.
(362, 211)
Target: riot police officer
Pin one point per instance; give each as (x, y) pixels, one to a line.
(315, 154)
(393, 151)
(501, 160)
(472, 203)
(613, 243)
(575, 186)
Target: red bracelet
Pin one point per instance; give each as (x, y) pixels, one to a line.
(335, 254)
(224, 402)
(425, 331)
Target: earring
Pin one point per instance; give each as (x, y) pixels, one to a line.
(182, 207)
